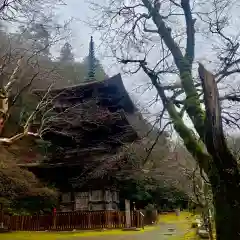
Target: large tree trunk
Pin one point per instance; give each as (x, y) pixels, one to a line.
(224, 172)
(226, 198)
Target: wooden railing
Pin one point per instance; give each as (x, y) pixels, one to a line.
(72, 220)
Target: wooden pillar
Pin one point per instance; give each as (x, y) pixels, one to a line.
(73, 200)
(108, 213)
(89, 200)
(127, 213)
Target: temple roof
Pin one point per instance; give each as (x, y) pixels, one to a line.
(122, 126)
(116, 79)
(110, 88)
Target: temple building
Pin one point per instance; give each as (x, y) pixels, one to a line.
(89, 126)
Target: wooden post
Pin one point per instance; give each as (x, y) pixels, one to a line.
(127, 213)
(22, 221)
(73, 200)
(1, 215)
(89, 219)
(54, 218)
(138, 219)
(119, 219)
(108, 216)
(142, 219)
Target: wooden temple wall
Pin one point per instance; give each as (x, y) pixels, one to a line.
(93, 200)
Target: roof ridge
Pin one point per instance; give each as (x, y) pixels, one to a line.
(81, 84)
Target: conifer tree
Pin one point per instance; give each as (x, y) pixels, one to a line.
(66, 54)
(91, 62)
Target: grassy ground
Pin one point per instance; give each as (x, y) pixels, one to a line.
(68, 235)
(181, 223)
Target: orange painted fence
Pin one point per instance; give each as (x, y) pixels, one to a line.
(73, 220)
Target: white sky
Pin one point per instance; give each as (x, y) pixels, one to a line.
(81, 32)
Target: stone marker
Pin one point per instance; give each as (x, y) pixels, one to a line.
(203, 233)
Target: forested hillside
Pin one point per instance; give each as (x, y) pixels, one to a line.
(27, 64)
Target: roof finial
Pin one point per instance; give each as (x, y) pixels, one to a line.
(91, 61)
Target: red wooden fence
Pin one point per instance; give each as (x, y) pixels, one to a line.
(72, 220)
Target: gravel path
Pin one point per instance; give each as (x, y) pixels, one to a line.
(162, 232)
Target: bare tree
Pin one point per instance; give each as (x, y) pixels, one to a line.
(22, 68)
(21, 71)
(23, 11)
(135, 29)
(17, 183)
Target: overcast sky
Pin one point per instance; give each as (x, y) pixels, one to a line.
(81, 32)
(80, 12)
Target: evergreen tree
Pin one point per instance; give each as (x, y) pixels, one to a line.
(66, 54)
(91, 62)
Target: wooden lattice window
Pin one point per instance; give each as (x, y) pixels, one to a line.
(97, 207)
(66, 197)
(108, 196)
(114, 206)
(115, 196)
(81, 201)
(97, 195)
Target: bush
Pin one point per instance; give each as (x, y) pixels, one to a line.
(20, 189)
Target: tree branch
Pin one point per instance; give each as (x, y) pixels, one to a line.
(13, 76)
(185, 133)
(190, 31)
(26, 126)
(165, 33)
(193, 106)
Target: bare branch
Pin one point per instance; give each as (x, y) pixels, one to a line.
(190, 31)
(165, 33)
(26, 126)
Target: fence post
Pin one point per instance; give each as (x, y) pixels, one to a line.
(128, 213)
(1, 215)
(138, 219)
(119, 219)
(142, 219)
(22, 222)
(54, 218)
(107, 218)
(109, 224)
(89, 219)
